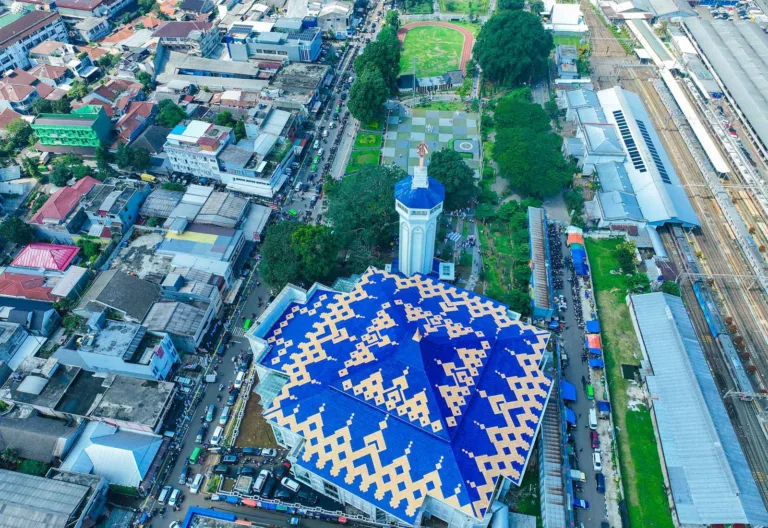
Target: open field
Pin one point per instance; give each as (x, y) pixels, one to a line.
(360, 158)
(643, 481)
(567, 40)
(436, 49)
(254, 429)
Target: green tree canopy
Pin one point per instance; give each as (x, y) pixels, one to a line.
(60, 175)
(625, 253)
(224, 118)
(367, 95)
(298, 253)
(169, 114)
(511, 5)
(16, 230)
(393, 19)
(145, 79)
(513, 48)
(448, 167)
(361, 208)
(671, 287)
(317, 250)
(132, 158)
(384, 55)
(532, 162)
(19, 133)
(515, 113)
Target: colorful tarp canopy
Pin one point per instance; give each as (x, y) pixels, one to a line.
(568, 391)
(593, 327)
(570, 416)
(575, 238)
(604, 406)
(593, 341)
(596, 363)
(596, 351)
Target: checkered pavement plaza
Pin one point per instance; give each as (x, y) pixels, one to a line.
(435, 127)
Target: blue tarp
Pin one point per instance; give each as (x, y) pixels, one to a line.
(578, 254)
(568, 391)
(570, 416)
(603, 406)
(593, 327)
(203, 512)
(596, 363)
(596, 351)
(554, 325)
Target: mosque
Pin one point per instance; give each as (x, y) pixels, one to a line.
(398, 394)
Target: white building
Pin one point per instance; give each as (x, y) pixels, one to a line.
(92, 28)
(567, 19)
(335, 17)
(193, 148)
(120, 347)
(20, 32)
(419, 201)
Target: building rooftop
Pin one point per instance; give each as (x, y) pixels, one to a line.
(122, 292)
(152, 139)
(52, 257)
(222, 208)
(35, 287)
(175, 29)
(63, 201)
(300, 76)
(135, 400)
(443, 380)
(42, 383)
(34, 436)
(161, 203)
(708, 473)
(207, 241)
(14, 28)
(29, 500)
(84, 116)
(178, 318)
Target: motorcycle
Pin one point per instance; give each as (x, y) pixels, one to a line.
(221, 387)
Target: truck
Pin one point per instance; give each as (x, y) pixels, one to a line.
(578, 475)
(211, 378)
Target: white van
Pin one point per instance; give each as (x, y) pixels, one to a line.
(224, 415)
(261, 480)
(216, 438)
(316, 144)
(290, 484)
(164, 494)
(593, 418)
(240, 377)
(196, 483)
(320, 152)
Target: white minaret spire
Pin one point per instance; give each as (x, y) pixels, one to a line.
(419, 202)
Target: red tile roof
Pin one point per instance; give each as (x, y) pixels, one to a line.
(15, 92)
(48, 71)
(6, 116)
(38, 255)
(63, 201)
(136, 113)
(96, 53)
(19, 76)
(119, 35)
(25, 286)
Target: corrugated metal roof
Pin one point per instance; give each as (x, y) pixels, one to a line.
(27, 500)
(55, 257)
(710, 480)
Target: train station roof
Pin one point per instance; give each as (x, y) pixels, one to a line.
(407, 387)
(708, 473)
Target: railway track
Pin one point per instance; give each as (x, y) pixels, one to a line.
(604, 43)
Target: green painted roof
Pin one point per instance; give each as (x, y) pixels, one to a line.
(10, 18)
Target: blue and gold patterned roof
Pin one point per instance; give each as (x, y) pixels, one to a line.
(408, 386)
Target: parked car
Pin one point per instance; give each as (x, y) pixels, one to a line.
(233, 397)
(307, 497)
(201, 435)
(184, 475)
(597, 461)
(268, 452)
(261, 480)
(251, 451)
(595, 439)
(283, 494)
(269, 488)
(247, 471)
(580, 503)
(229, 459)
(290, 484)
(221, 469)
(280, 472)
(176, 498)
(600, 482)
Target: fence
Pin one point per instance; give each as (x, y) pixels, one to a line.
(443, 17)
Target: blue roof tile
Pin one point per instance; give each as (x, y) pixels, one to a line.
(409, 386)
(419, 198)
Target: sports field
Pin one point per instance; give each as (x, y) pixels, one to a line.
(436, 49)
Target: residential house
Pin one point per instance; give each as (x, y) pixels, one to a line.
(12, 336)
(78, 9)
(196, 9)
(193, 38)
(20, 31)
(120, 347)
(117, 94)
(50, 74)
(77, 60)
(186, 323)
(138, 116)
(92, 29)
(61, 217)
(567, 58)
(285, 39)
(193, 148)
(64, 499)
(38, 318)
(115, 207)
(24, 286)
(44, 258)
(335, 17)
(71, 392)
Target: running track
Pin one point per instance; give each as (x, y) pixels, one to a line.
(469, 38)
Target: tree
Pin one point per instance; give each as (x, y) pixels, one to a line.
(145, 6)
(639, 282)
(367, 95)
(91, 249)
(224, 119)
(42, 106)
(448, 167)
(15, 230)
(332, 59)
(10, 457)
(19, 133)
(109, 60)
(173, 186)
(240, 132)
(484, 212)
(513, 48)
(316, 249)
(61, 175)
(140, 159)
(360, 208)
(169, 114)
(61, 106)
(625, 253)
(671, 287)
(145, 79)
(384, 55)
(393, 19)
(78, 89)
(279, 262)
(511, 5)
(33, 467)
(532, 162)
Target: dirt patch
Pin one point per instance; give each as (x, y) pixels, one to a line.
(254, 429)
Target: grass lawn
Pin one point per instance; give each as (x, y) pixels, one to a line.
(477, 7)
(471, 26)
(369, 140)
(566, 40)
(360, 158)
(639, 456)
(436, 50)
(446, 106)
(373, 126)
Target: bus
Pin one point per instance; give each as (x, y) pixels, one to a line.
(193, 458)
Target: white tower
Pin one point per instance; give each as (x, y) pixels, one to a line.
(419, 202)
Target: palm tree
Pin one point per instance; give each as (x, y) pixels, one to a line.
(10, 457)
